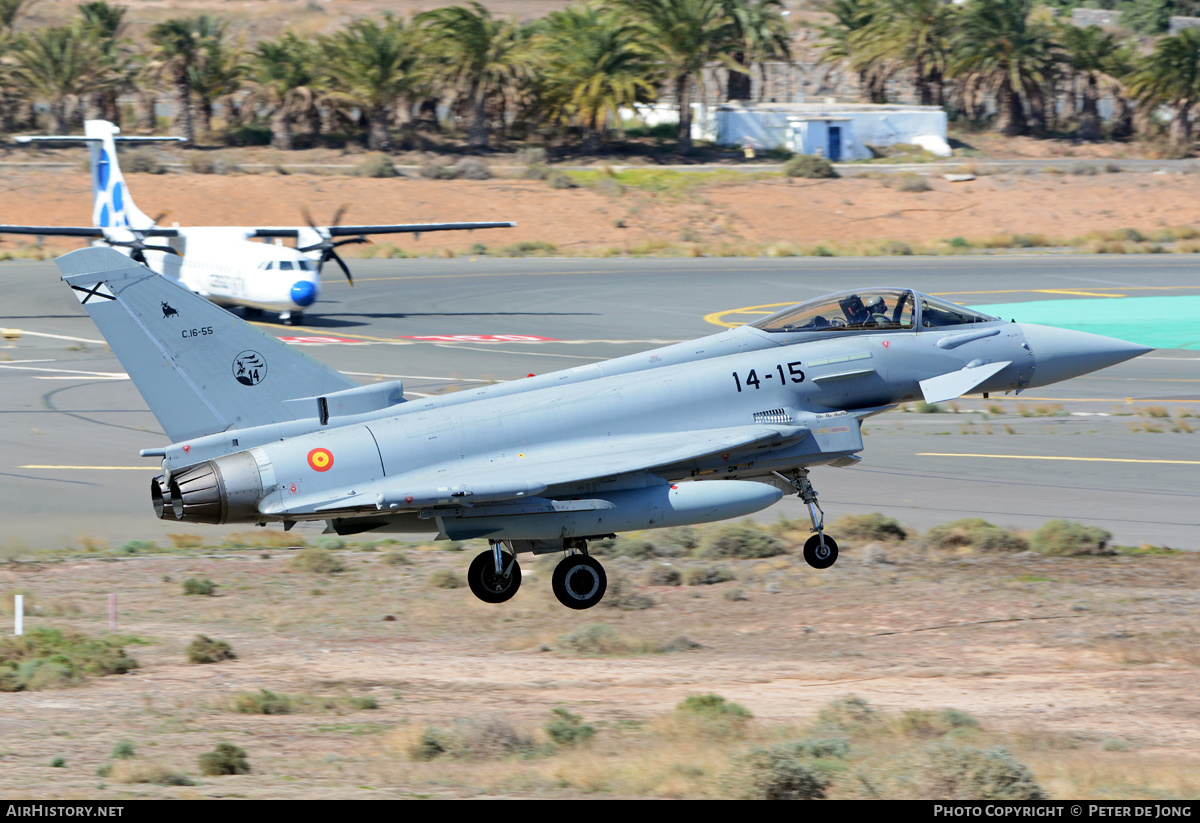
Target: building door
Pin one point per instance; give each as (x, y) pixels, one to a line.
(835, 143)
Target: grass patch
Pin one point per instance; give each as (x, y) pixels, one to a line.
(47, 658)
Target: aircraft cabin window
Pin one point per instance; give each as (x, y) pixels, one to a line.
(937, 313)
(306, 265)
(868, 310)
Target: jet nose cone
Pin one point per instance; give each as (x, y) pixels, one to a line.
(1060, 354)
(304, 293)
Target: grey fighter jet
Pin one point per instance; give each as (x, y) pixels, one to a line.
(715, 428)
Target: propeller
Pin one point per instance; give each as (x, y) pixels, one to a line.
(138, 246)
(328, 245)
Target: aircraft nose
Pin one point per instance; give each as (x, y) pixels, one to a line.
(304, 293)
(1060, 354)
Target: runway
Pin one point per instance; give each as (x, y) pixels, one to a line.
(1095, 449)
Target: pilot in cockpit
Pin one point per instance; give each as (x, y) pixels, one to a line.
(856, 313)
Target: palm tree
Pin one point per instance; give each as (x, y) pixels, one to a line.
(1092, 56)
(372, 66)
(59, 65)
(839, 44)
(761, 30)
(215, 75)
(179, 46)
(486, 58)
(1170, 76)
(106, 24)
(282, 78)
(591, 63)
(908, 35)
(686, 35)
(998, 43)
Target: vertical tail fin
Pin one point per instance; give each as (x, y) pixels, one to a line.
(112, 205)
(200, 369)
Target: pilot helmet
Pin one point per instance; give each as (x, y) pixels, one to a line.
(875, 304)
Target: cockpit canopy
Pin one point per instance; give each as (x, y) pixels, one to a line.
(288, 265)
(871, 310)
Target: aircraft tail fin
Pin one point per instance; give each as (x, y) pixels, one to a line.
(200, 369)
(112, 204)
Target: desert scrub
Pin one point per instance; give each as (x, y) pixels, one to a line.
(973, 534)
(264, 701)
(1067, 537)
(205, 587)
(708, 575)
(447, 579)
(779, 772)
(566, 729)
(133, 772)
(484, 738)
(710, 715)
(226, 758)
(863, 528)
(809, 166)
(970, 773)
(739, 540)
(47, 658)
(623, 594)
(204, 649)
(317, 560)
(378, 166)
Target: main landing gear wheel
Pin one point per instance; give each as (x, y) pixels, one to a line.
(490, 586)
(818, 554)
(579, 581)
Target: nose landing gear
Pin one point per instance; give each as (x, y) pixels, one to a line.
(820, 551)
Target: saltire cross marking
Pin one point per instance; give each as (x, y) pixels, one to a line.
(93, 292)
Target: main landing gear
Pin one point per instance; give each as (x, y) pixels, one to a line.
(579, 581)
(494, 575)
(820, 551)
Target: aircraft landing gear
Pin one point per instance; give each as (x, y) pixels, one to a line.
(820, 551)
(494, 575)
(291, 318)
(579, 581)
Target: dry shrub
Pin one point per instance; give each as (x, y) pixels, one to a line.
(866, 528)
(973, 534)
(204, 649)
(137, 771)
(485, 738)
(1067, 537)
(969, 773)
(226, 758)
(317, 561)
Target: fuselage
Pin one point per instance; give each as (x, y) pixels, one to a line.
(223, 266)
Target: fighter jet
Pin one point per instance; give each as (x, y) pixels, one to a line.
(715, 428)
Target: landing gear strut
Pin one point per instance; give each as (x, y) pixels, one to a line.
(494, 575)
(820, 551)
(579, 580)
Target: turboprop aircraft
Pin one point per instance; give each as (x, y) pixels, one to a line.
(222, 263)
(715, 428)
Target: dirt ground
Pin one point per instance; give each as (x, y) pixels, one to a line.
(1083, 668)
(759, 216)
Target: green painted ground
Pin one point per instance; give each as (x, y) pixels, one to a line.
(1161, 322)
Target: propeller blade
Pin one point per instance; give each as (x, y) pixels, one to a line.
(351, 240)
(339, 214)
(334, 256)
(137, 255)
(308, 217)
(164, 249)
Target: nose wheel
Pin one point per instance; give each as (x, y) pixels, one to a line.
(579, 581)
(494, 575)
(820, 551)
